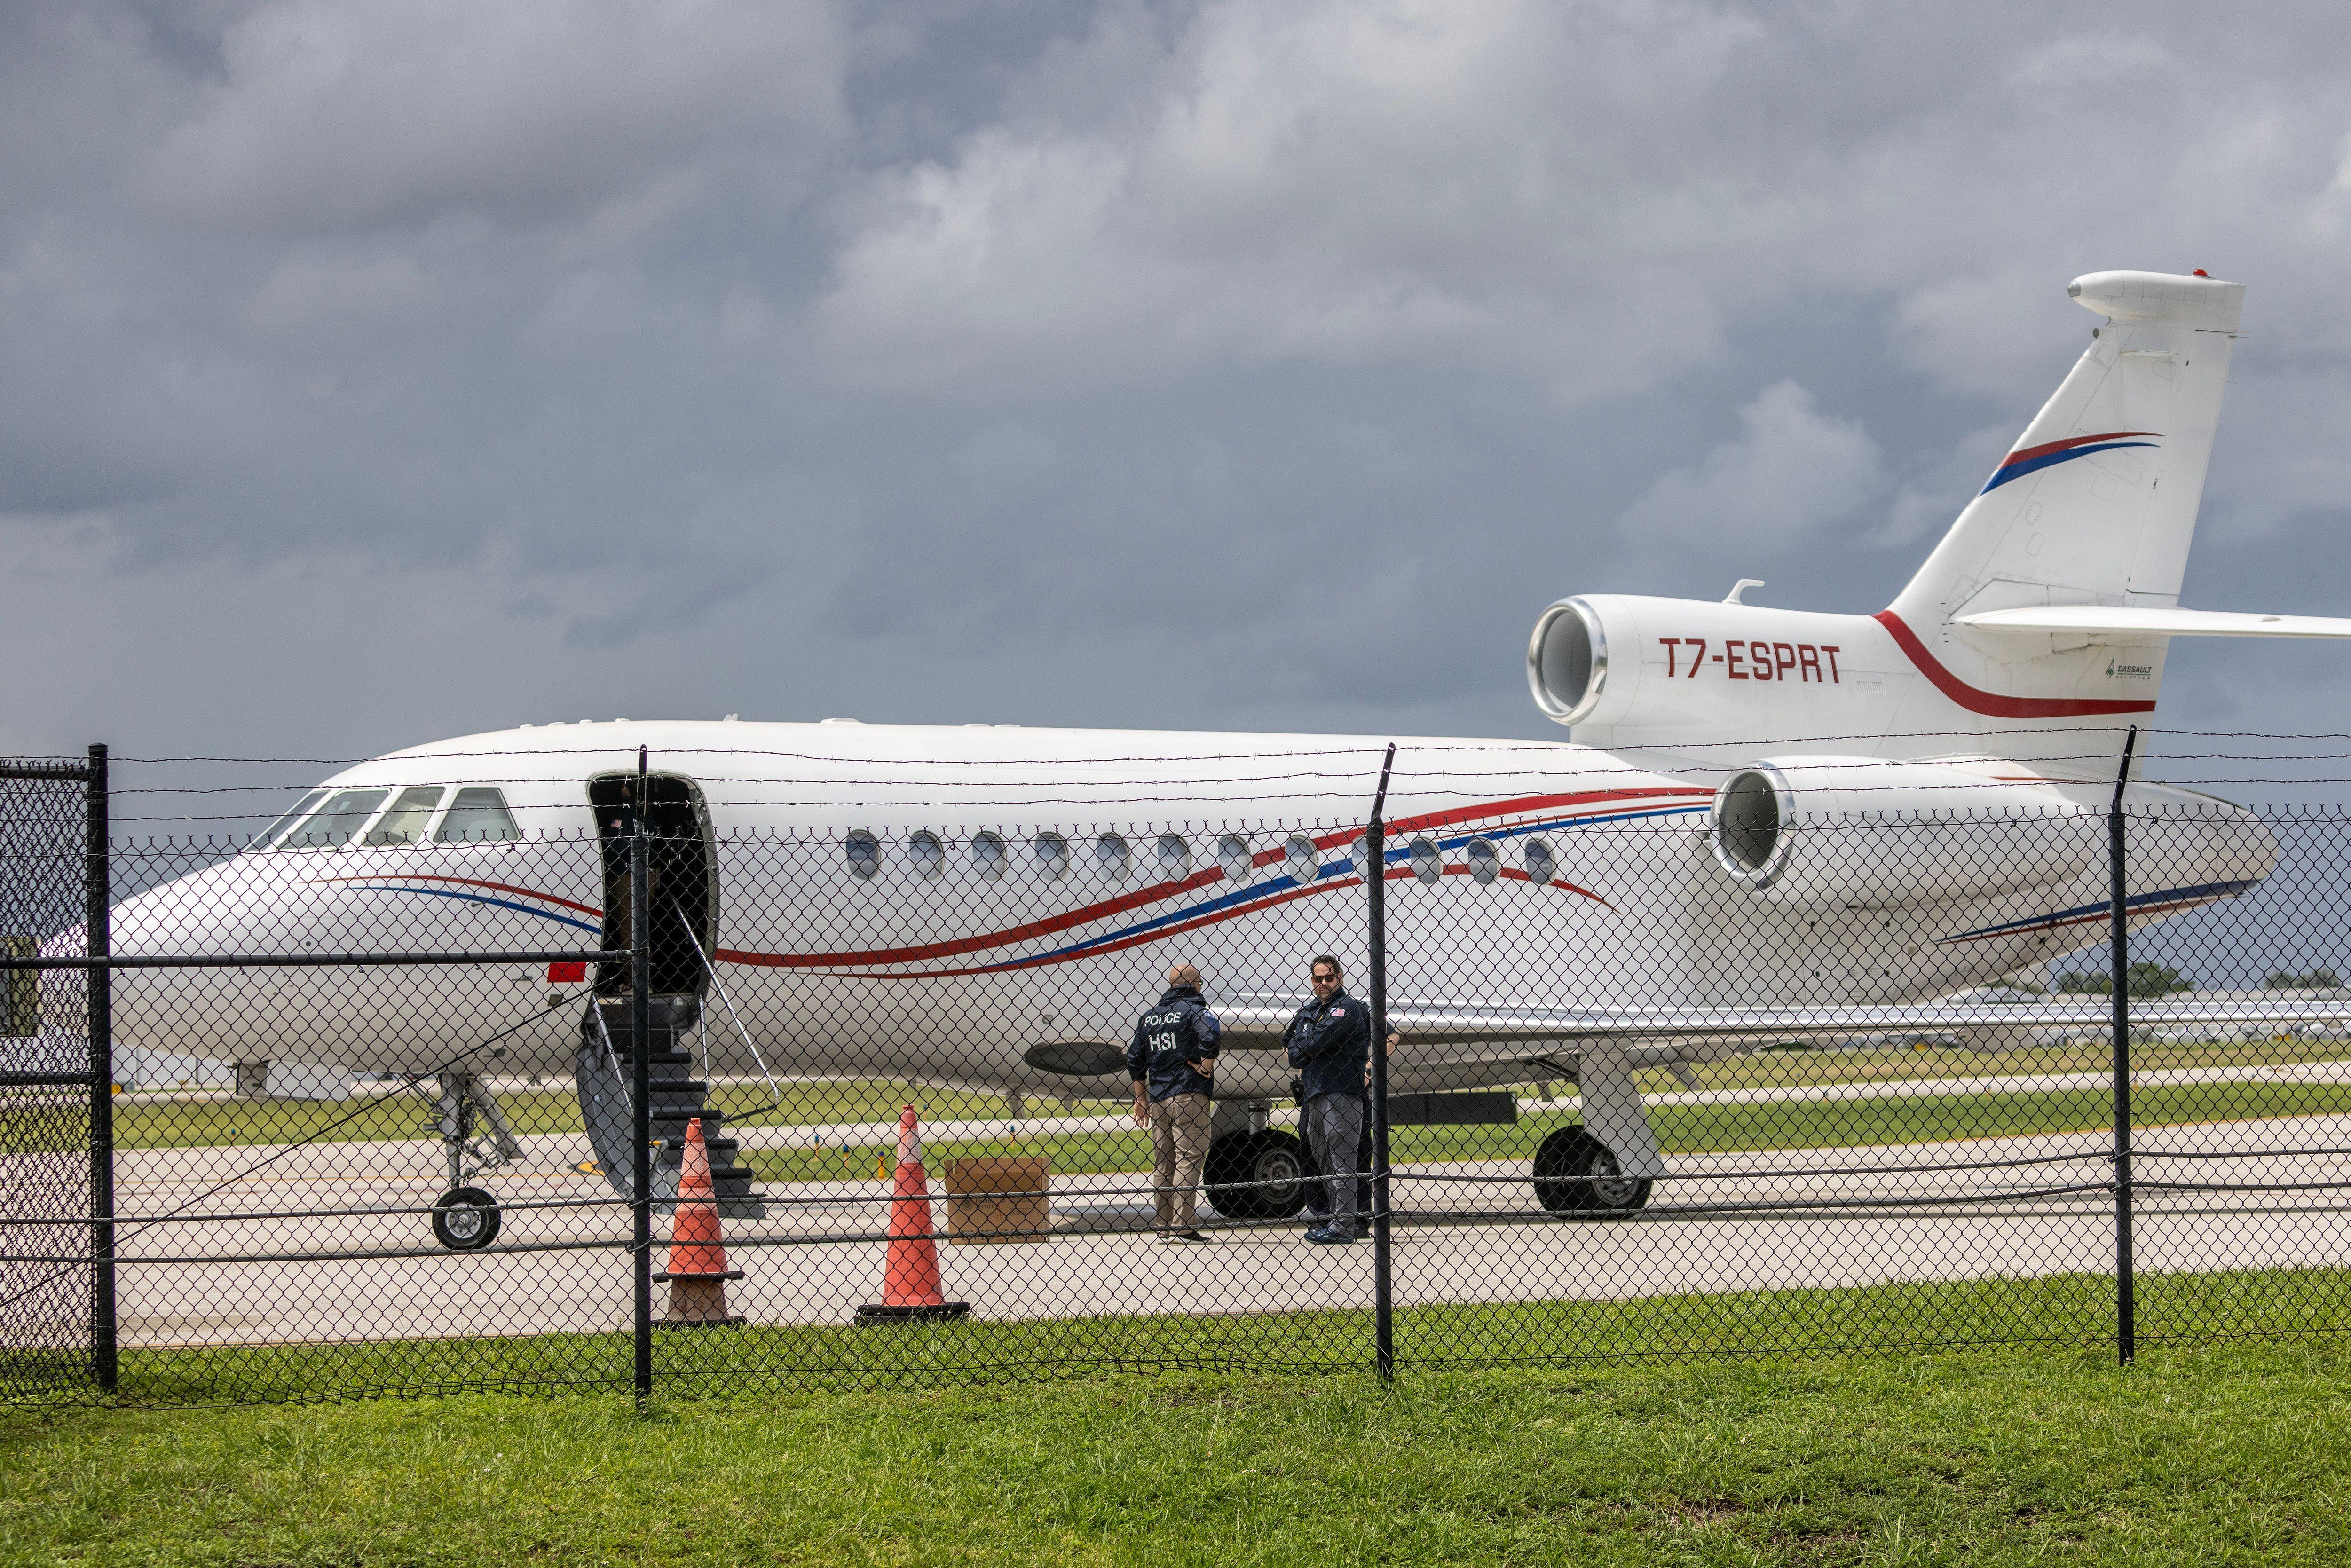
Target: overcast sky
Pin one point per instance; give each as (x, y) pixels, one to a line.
(378, 370)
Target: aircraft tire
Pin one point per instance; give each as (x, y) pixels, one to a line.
(1239, 1158)
(1575, 1173)
(465, 1219)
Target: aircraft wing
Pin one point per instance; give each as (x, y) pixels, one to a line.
(1437, 1032)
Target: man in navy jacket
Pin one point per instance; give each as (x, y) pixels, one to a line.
(1329, 1042)
(1173, 1061)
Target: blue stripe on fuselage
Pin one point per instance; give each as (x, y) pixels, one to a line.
(480, 898)
(2081, 911)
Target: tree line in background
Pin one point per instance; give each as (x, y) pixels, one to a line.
(2151, 979)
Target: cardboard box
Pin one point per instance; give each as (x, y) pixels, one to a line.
(996, 1198)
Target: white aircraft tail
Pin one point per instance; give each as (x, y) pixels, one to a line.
(2096, 505)
(2036, 629)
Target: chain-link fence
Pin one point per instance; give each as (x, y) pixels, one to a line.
(55, 1336)
(407, 1096)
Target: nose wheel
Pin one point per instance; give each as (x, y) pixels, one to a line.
(474, 1138)
(465, 1219)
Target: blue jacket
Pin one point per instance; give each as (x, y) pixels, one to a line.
(1168, 1039)
(1330, 1043)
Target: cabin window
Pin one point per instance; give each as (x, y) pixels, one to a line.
(405, 823)
(1233, 853)
(1301, 860)
(1359, 858)
(929, 856)
(1112, 859)
(338, 821)
(277, 829)
(1175, 856)
(1541, 865)
(988, 857)
(864, 851)
(477, 816)
(1484, 861)
(1427, 861)
(1052, 856)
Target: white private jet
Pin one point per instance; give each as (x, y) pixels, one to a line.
(845, 900)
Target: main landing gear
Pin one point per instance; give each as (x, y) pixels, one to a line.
(1256, 1175)
(1575, 1173)
(1260, 1175)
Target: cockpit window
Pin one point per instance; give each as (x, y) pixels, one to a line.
(344, 814)
(478, 815)
(405, 823)
(277, 829)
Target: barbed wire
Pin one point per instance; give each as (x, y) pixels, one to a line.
(1374, 746)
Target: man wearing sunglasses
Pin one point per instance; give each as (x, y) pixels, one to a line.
(1329, 1042)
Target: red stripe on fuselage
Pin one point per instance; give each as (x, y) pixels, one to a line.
(474, 881)
(1975, 699)
(962, 944)
(1531, 804)
(1059, 923)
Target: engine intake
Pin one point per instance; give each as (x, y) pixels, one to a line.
(1567, 661)
(1860, 833)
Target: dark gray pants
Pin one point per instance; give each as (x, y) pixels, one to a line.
(1334, 1126)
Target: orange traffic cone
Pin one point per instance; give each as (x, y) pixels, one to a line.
(910, 1275)
(697, 1271)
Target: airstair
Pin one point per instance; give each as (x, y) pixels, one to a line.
(606, 1069)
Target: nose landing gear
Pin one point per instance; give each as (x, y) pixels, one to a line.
(476, 1139)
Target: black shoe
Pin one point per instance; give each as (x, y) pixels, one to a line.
(1187, 1236)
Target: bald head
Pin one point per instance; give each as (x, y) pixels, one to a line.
(1185, 975)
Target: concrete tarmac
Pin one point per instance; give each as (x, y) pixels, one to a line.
(221, 1272)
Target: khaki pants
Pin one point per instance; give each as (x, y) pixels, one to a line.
(1179, 1148)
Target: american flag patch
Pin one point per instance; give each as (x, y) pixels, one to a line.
(1337, 1012)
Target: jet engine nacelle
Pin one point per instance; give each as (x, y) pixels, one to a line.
(1612, 662)
(1856, 832)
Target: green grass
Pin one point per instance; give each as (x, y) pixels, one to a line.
(2071, 1310)
(1681, 1129)
(2236, 1455)
(142, 1121)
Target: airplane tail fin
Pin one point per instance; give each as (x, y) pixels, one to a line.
(2096, 505)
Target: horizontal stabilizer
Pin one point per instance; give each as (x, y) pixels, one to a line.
(2121, 620)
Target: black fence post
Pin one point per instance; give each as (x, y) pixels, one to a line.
(640, 1026)
(98, 928)
(2118, 944)
(1383, 1302)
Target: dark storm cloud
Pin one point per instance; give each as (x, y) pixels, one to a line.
(375, 371)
